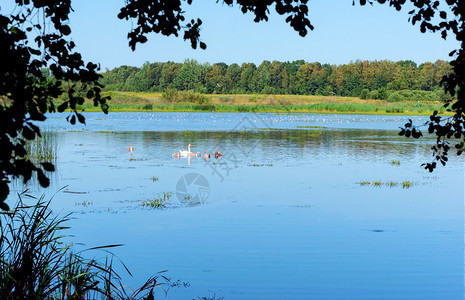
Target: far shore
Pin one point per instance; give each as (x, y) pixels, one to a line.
(133, 101)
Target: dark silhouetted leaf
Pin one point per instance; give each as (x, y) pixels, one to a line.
(81, 119)
(62, 107)
(4, 191)
(104, 107)
(43, 180)
(4, 206)
(408, 133)
(90, 94)
(66, 30)
(48, 166)
(28, 133)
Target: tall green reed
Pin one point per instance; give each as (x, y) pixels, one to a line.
(43, 148)
(36, 263)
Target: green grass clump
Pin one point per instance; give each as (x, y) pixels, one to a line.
(154, 178)
(155, 203)
(413, 95)
(395, 162)
(147, 107)
(253, 99)
(407, 184)
(394, 110)
(362, 183)
(377, 183)
(172, 96)
(158, 202)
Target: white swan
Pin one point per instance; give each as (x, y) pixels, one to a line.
(184, 152)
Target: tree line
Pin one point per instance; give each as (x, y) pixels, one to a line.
(366, 79)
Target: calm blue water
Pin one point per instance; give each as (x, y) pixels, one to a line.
(141, 121)
(282, 215)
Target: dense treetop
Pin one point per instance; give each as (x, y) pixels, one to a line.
(368, 79)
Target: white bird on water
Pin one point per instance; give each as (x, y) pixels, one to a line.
(184, 152)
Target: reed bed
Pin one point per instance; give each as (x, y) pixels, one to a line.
(37, 263)
(43, 148)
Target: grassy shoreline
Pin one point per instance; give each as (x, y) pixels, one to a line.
(154, 102)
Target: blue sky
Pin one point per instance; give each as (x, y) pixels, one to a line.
(343, 33)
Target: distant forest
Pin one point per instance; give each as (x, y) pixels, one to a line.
(401, 80)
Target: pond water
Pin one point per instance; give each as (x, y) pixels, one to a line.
(284, 214)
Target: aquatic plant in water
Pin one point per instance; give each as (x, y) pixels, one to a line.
(364, 183)
(43, 148)
(137, 159)
(377, 183)
(407, 184)
(392, 183)
(84, 203)
(158, 202)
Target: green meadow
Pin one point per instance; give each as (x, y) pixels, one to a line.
(194, 102)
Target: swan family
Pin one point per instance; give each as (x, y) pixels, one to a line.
(189, 153)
